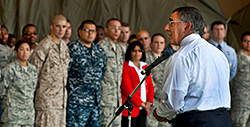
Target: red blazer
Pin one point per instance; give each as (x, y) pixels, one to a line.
(130, 80)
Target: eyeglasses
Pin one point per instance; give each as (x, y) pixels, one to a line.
(89, 30)
(246, 41)
(134, 50)
(115, 28)
(29, 34)
(145, 38)
(171, 22)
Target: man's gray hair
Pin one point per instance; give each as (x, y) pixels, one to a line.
(192, 15)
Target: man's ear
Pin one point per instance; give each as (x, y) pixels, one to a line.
(51, 27)
(105, 29)
(188, 26)
(79, 31)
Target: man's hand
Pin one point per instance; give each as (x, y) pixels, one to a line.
(161, 119)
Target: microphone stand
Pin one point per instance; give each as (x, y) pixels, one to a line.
(128, 104)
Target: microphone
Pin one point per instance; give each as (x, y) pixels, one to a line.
(155, 63)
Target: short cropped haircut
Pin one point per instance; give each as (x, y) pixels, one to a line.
(125, 24)
(98, 26)
(247, 33)
(132, 46)
(26, 26)
(158, 34)
(217, 23)
(112, 19)
(85, 22)
(3, 26)
(12, 35)
(132, 36)
(68, 21)
(20, 42)
(58, 18)
(192, 15)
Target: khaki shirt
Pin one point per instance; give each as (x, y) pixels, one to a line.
(110, 85)
(52, 71)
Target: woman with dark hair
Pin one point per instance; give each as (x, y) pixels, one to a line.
(17, 88)
(131, 76)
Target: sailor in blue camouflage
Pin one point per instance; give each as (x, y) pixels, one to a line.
(86, 70)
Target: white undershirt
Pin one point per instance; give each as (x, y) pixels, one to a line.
(25, 68)
(113, 45)
(143, 86)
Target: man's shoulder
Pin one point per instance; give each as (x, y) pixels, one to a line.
(4, 50)
(45, 40)
(149, 54)
(229, 48)
(73, 45)
(99, 49)
(97, 46)
(105, 42)
(44, 43)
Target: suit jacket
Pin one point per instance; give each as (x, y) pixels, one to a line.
(130, 80)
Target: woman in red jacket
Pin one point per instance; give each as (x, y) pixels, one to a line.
(131, 76)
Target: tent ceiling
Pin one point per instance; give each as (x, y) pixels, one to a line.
(229, 7)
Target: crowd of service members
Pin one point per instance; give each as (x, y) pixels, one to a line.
(56, 82)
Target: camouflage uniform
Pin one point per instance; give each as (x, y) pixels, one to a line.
(86, 70)
(124, 48)
(156, 74)
(17, 89)
(110, 85)
(4, 56)
(51, 94)
(240, 108)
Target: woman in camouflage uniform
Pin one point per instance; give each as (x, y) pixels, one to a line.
(17, 88)
(240, 87)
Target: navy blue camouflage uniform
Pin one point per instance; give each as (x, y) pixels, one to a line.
(86, 70)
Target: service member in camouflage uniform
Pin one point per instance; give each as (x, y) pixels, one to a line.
(4, 53)
(144, 37)
(110, 85)
(17, 87)
(123, 39)
(157, 46)
(51, 58)
(30, 33)
(5, 57)
(240, 108)
(87, 69)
